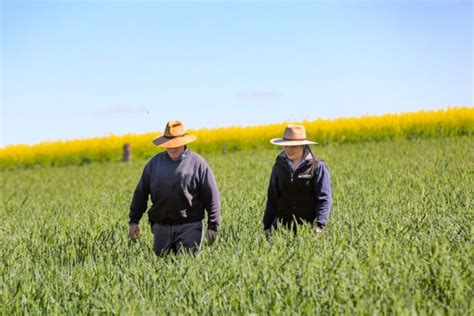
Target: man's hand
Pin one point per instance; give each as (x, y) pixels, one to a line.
(133, 232)
(210, 237)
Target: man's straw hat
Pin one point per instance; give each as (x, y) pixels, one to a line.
(175, 136)
(294, 135)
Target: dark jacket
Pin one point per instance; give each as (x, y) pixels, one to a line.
(180, 190)
(303, 195)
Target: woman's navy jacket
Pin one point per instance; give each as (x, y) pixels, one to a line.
(303, 195)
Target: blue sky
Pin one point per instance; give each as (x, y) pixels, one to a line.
(73, 69)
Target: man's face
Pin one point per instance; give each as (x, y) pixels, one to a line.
(294, 152)
(174, 153)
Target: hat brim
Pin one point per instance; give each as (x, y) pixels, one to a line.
(174, 142)
(285, 142)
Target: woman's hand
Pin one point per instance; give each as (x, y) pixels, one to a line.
(318, 231)
(133, 232)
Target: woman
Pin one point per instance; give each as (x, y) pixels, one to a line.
(300, 188)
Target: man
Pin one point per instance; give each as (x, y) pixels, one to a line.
(181, 185)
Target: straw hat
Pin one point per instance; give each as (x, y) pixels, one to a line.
(294, 135)
(175, 136)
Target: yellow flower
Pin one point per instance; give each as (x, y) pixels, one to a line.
(454, 121)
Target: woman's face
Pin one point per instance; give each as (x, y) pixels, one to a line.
(294, 152)
(174, 153)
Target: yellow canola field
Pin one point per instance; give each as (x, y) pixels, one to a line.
(454, 121)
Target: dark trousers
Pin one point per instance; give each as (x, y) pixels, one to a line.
(176, 238)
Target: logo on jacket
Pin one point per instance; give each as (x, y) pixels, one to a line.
(304, 176)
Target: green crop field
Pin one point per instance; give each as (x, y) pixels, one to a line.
(399, 241)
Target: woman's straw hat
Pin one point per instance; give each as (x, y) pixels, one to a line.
(294, 135)
(175, 136)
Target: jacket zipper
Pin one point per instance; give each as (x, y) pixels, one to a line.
(292, 173)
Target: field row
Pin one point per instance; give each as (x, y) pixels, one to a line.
(399, 240)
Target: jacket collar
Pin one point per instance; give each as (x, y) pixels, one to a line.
(307, 156)
(182, 156)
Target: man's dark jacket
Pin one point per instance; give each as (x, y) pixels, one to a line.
(181, 191)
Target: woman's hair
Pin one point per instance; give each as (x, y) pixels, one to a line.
(314, 155)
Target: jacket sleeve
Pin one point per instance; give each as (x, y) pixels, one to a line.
(271, 210)
(211, 198)
(323, 194)
(140, 196)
